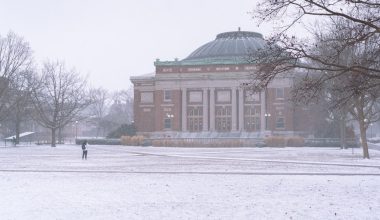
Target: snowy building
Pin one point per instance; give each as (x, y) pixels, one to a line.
(202, 95)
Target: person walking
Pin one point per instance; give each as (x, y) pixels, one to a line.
(84, 149)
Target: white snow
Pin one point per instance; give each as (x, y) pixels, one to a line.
(119, 182)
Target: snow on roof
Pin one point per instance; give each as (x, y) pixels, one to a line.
(21, 135)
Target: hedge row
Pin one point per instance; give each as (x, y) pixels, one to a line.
(330, 144)
(272, 141)
(97, 141)
(204, 143)
(132, 140)
(282, 141)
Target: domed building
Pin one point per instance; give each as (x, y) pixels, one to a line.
(202, 96)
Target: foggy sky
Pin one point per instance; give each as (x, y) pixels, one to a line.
(111, 40)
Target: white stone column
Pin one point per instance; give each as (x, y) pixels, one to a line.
(234, 110)
(241, 109)
(205, 110)
(212, 109)
(262, 112)
(184, 109)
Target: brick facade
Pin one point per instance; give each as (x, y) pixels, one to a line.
(206, 93)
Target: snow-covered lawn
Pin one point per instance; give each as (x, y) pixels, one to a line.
(119, 182)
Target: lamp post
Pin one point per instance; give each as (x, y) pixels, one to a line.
(76, 130)
(170, 116)
(267, 115)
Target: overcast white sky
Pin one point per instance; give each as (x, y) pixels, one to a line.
(111, 40)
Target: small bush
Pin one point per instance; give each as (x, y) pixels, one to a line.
(125, 140)
(260, 144)
(202, 143)
(97, 141)
(282, 141)
(295, 141)
(132, 140)
(333, 142)
(123, 130)
(275, 141)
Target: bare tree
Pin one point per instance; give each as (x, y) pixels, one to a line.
(19, 99)
(352, 91)
(351, 52)
(99, 108)
(347, 95)
(364, 14)
(15, 58)
(287, 52)
(347, 71)
(60, 96)
(122, 109)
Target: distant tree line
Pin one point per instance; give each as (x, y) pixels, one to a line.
(111, 112)
(53, 96)
(338, 67)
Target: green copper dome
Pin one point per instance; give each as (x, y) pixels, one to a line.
(228, 46)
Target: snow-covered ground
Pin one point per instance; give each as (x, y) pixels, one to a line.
(119, 182)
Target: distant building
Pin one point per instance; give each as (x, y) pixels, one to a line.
(201, 95)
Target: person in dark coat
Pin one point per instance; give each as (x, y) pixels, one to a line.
(84, 149)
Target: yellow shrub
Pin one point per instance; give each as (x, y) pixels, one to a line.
(275, 141)
(295, 141)
(198, 143)
(125, 140)
(132, 141)
(282, 141)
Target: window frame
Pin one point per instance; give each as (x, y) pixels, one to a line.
(169, 120)
(282, 96)
(146, 97)
(277, 122)
(168, 99)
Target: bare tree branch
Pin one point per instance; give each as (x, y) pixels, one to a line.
(60, 96)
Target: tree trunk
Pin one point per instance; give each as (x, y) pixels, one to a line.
(343, 132)
(17, 140)
(17, 124)
(60, 135)
(53, 137)
(363, 136)
(362, 127)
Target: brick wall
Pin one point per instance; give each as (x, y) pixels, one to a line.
(143, 114)
(163, 108)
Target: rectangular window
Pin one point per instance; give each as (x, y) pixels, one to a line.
(195, 96)
(223, 96)
(146, 97)
(167, 95)
(280, 123)
(252, 97)
(251, 118)
(194, 118)
(280, 93)
(223, 118)
(167, 123)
